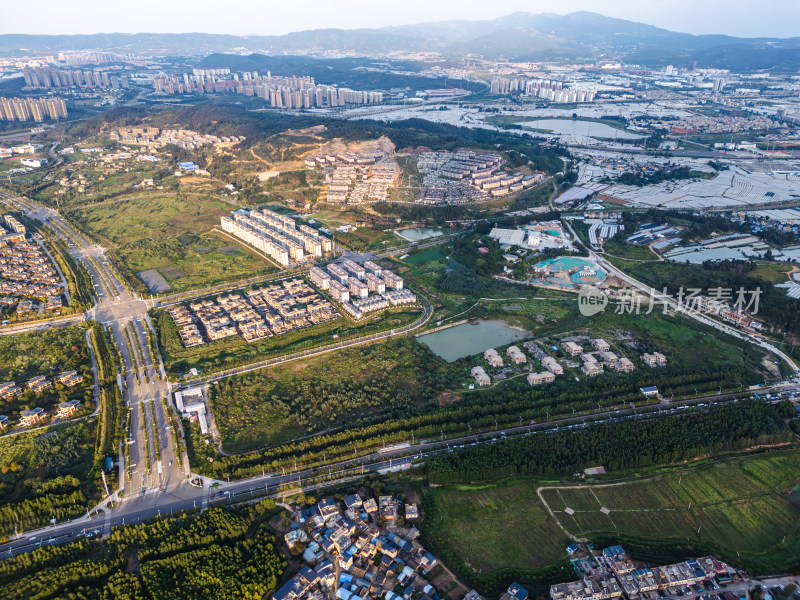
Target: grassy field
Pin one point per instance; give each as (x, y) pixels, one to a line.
(172, 234)
(629, 251)
(235, 351)
(740, 507)
(349, 387)
(773, 272)
(498, 526)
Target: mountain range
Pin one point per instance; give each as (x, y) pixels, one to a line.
(518, 36)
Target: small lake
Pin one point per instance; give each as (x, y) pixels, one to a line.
(418, 234)
(467, 339)
(586, 128)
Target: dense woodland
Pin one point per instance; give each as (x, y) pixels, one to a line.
(45, 476)
(225, 554)
(620, 445)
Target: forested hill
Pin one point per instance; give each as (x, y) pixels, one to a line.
(619, 445)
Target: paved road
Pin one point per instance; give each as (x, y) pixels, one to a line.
(157, 467)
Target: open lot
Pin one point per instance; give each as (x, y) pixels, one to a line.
(497, 526)
(353, 386)
(173, 235)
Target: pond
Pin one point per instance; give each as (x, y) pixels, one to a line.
(418, 234)
(586, 128)
(468, 339)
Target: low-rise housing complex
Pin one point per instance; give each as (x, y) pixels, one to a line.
(611, 574)
(493, 357)
(260, 313)
(655, 359)
(467, 176)
(541, 378)
(154, 138)
(26, 272)
(481, 378)
(516, 355)
(357, 177)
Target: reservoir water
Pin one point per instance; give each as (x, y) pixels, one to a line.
(468, 339)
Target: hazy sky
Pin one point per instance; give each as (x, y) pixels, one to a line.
(774, 18)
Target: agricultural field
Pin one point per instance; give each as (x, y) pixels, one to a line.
(496, 526)
(172, 234)
(740, 504)
(737, 505)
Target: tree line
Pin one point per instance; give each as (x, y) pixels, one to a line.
(633, 443)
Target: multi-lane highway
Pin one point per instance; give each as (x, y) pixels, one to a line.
(158, 469)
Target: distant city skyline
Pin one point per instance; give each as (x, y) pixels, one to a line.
(743, 18)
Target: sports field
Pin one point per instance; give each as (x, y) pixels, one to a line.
(173, 235)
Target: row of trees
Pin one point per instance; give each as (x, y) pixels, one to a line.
(619, 445)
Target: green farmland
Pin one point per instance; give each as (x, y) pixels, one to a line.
(491, 526)
(742, 505)
(738, 509)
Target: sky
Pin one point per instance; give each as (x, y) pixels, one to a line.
(745, 18)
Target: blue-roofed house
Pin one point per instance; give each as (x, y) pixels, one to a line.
(353, 502)
(517, 592)
(572, 548)
(613, 551)
(309, 513)
(288, 591)
(428, 561)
